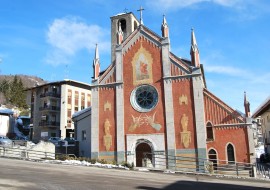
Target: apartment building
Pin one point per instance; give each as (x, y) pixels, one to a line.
(262, 114)
(52, 105)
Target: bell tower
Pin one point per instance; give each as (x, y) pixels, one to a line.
(128, 23)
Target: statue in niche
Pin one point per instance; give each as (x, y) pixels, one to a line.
(107, 138)
(185, 134)
(183, 99)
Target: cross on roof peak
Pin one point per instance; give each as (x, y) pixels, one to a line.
(141, 9)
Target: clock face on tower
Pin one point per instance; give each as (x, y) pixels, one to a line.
(144, 98)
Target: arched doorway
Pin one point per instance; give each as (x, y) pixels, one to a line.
(212, 155)
(142, 149)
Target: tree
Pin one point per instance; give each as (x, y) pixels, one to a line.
(14, 92)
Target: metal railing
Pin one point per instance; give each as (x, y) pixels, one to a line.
(49, 124)
(193, 164)
(51, 94)
(49, 108)
(15, 152)
(263, 170)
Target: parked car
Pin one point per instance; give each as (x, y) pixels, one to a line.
(55, 140)
(5, 141)
(20, 138)
(68, 140)
(265, 157)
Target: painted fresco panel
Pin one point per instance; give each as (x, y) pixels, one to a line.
(107, 125)
(184, 115)
(142, 65)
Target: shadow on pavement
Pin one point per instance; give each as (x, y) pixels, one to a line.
(193, 185)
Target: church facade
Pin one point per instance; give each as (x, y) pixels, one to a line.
(150, 100)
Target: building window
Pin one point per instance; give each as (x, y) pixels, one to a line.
(54, 90)
(209, 132)
(82, 107)
(69, 120)
(88, 100)
(230, 154)
(76, 108)
(76, 95)
(69, 93)
(83, 135)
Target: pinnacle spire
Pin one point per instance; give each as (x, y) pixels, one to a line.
(96, 64)
(194, 50)
(164, 27)
(96, 53)
(246, 105)
(194, 45)
(120, 35)
(164, 23)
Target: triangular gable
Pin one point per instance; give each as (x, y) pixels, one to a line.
(139, 33)
(219, 113)
(178, 66)
(108, 76)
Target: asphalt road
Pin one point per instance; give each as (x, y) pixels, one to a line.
(20, 174)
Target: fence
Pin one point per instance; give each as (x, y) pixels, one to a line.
(263, 170)
(192, 164)
(14, 152)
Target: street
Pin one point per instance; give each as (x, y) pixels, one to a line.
(20, 174)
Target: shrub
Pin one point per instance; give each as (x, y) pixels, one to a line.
(127, 164)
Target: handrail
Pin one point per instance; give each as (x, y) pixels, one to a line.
(202, 165)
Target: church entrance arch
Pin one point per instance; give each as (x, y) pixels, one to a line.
(144, 149)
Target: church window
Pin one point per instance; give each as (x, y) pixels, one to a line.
(209, 132)
(230, 154)
(144, 98)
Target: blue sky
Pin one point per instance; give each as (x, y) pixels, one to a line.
(55, 40)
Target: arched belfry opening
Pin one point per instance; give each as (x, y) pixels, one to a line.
(135, 24)
(144, 149)
(123, 23)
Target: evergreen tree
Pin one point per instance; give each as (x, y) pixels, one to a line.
(14, 92)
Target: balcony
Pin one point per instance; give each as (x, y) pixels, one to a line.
(49, 108)
(49, 124)
(50, 94)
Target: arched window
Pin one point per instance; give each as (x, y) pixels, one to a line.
(209, 132)
(230, 154)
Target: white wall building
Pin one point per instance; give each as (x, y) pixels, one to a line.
(52, 106)
(263, 113)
